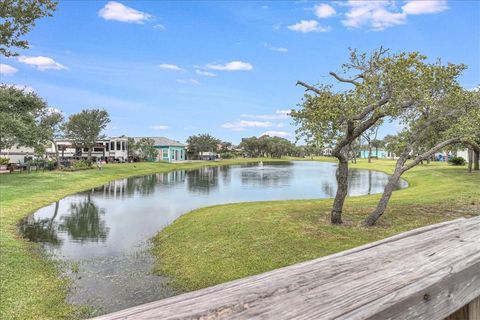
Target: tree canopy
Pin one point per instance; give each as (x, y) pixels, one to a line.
(267, 146)
(202, 143)
(85, 128)
(18, 17)
(22, 118)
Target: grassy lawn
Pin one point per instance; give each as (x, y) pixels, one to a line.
(221, 243)
(30, 286)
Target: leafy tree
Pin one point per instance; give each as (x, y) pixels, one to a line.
(21, 113)
(267, 146)
(382, 85)
(50, 130)
(445, 115)
(132, 147)
(17, 18)
(202, 143)
(146, 148)
(86, 127)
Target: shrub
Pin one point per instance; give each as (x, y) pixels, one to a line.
(457, 161)
(4, 161)
(80, 165)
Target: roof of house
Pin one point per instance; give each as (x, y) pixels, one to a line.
(162, 141)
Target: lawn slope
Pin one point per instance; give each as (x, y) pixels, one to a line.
(221, 243)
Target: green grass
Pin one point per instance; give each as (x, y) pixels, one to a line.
(30, 283)
(222, 243)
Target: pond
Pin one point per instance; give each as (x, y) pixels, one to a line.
(103, 234)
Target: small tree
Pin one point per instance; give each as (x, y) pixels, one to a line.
(18, 17)
(146, 148)
(445, 115)
(85, 128)
(50, 130)
(202, 143)
(383, 85)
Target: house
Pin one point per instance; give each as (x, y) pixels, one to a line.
(17, 154)
(208, 155)
(112, 149)
(168, 150)
(377, 153)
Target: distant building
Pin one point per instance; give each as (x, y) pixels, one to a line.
(379, 154)
(168, 150)
(112, 149)
(208, 155)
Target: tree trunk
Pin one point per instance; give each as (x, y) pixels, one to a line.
(387, 192)
(470, 160)
(57, 155)
(89, 156)
(369, 154)
(476, 160)
(342, 190)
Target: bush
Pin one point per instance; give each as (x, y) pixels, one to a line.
(227, 155)
(80, 165)
(457, 161)
(4, 161)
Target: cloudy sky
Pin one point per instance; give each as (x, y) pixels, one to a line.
(227, 68)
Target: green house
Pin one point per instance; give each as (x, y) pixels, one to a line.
(169, 150)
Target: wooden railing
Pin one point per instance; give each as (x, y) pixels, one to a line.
(428, 273)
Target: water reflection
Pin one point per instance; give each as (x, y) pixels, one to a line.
(84, 222)
(42, 230)
(106, 227)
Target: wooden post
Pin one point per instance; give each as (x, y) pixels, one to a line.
(474, 309)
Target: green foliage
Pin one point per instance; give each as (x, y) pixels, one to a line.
(85, 128)
(457, 161)
(146, 149)
(202, 143)
(4, 161)
(132, 147)
(21, 113)
(267, 146)
(17, 18)
(80, 165)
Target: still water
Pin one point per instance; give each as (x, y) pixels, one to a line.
(103, 234)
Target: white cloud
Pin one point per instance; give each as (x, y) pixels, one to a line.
(381, 14)
(188, 81)
(169, 66)
(25, 88)
(425, 6)
(324, 10)
(114, 10)
(243, 124)
(159, 127)
(281, 134)
(7, 70)
(231, 66)
(52, 110)
(279, 115)
(205, 73)
(42, 63)
(306, 26)
(159, 27)
(376, 15)
(278, 49)
(264, 7)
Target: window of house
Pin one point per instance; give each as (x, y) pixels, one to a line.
(107, 146)
(123, 146)
(112, 145)
(85, 149)
(119, 147)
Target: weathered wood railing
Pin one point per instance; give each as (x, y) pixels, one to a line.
(428, 273)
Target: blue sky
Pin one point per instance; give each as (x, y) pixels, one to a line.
(226, 68)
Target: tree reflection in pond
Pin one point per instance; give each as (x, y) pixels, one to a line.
(42, 230)
(203, 180)
(84, 222)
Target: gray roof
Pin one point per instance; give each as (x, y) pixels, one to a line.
(162, 141)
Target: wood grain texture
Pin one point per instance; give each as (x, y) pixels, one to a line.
(427, 273)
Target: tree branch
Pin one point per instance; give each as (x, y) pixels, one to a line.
(309, 87)
(428, 153)
(352, 81)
